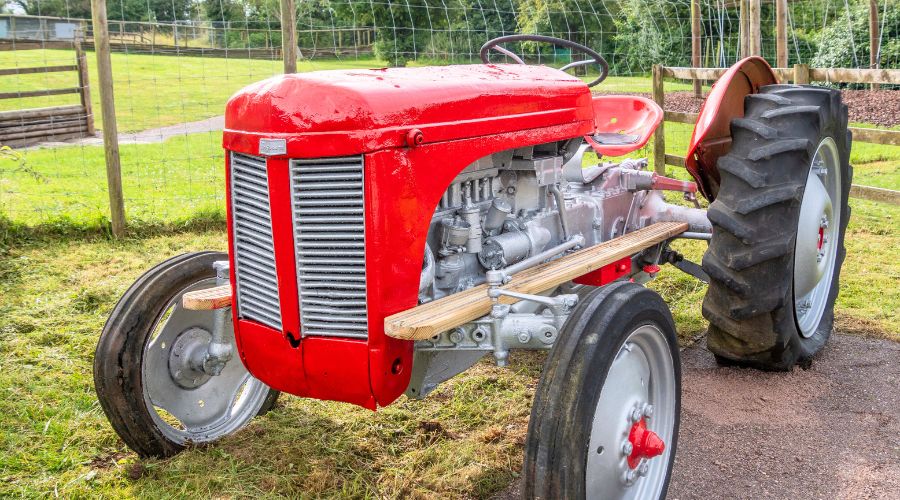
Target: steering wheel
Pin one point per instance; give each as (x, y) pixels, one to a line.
(594, 57)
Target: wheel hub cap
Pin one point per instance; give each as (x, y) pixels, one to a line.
(187, 350)
(645, 444)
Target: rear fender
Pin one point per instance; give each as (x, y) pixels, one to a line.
(712, 133)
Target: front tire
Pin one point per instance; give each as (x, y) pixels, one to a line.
(614, 373)
(155, 403)
(778, 228)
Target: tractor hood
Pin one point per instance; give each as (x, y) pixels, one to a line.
(332, 113)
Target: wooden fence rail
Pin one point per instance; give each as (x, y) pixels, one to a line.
(800, 73)
(30, 126)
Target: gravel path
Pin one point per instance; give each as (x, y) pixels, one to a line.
(831, 431)
(828, 432)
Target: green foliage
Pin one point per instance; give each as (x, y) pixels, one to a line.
(127, 10)
(845, 44)
(641, 40)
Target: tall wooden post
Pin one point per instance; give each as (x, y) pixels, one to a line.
(755, 29)
(659, 136)
(289, 36)
(874, 37)
(695, 44)
(781, 50)
(84, 84)
(108, 110)
(743, 30)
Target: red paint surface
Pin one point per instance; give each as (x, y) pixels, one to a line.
(651, 269)
(337, 113)
(606, 274)
(615, 114)
(644, 443)
(711, 138)
(463, 113)
(669, 184)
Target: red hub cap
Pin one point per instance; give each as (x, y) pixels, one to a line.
(644, 443)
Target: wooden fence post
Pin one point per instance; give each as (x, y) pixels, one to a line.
(874, 38)
(108, 109)
(755, 30)
(801, 74)
(781, 50)
(744, 28)
(695, 44)
(659, 137)
(85, 85)
(289, 36)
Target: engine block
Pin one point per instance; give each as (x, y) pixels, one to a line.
(512, 206)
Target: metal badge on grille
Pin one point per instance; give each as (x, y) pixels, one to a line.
(327, 197)
(254, 252)
(271, 147)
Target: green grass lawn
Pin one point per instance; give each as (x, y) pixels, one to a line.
(151, 90)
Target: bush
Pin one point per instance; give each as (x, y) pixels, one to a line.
(846, 45)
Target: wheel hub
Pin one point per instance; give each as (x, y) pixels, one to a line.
(638, 390)
(186, 358)
(815, 250)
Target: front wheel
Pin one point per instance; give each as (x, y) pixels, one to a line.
(156, 399)
(606, 412)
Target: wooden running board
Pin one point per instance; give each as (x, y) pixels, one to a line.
(427, 320)
(207, 299)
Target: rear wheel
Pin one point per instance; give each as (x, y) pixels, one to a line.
(155, 397)
(778, 228)
(606, 412)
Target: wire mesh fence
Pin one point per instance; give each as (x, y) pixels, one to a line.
(176, 62)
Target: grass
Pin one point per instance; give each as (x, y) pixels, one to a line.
(151, 90)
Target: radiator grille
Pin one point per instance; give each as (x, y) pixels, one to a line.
(254, 253)
(329, 235)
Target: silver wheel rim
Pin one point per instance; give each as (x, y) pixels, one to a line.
(815, 250)
(200, 408)
(640, 385)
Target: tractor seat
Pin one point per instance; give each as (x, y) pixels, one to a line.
(622, 124)
(615, 139)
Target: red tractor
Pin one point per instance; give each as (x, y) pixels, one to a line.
(390, 227)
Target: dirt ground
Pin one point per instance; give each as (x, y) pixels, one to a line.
(828, 432)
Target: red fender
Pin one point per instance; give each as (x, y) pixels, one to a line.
(712, 133)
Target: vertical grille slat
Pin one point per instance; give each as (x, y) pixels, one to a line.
(254, 250)
(329, 237)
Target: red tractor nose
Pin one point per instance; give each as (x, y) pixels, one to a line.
(645, 443)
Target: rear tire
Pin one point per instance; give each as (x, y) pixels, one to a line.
(770, 301)
(617, 354)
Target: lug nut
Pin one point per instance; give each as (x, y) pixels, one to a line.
(627, 448)
(648, 410)
(643, 468)
(630, 477)
(636, 414)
